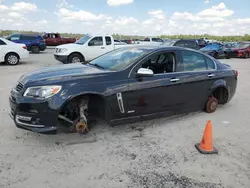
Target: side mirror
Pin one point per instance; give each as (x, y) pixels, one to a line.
(142, 72)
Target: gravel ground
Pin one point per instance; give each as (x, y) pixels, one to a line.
(151, 154)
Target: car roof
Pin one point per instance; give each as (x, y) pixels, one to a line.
(160, 48)
(33, 35)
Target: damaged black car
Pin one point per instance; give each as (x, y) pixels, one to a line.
(122, 86)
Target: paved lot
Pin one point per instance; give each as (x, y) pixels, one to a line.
(163, 157)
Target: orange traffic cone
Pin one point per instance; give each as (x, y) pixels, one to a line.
(206, 144)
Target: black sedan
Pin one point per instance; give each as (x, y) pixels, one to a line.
(125, 85)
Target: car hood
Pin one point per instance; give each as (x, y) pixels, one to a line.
(59, 73)
(207, 50)
(237, 49)
(72, 45)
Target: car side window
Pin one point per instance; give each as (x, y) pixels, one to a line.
(2, 42)
(191, 44)
(193, 61)
(27, 37)
(180, 43)
(108, 40)
(96, 41)
(160, 63)
(15, 37)
(210, 63)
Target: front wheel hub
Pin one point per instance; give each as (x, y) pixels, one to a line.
(82, 126)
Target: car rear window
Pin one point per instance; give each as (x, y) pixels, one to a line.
(180, 43)
(191, 44)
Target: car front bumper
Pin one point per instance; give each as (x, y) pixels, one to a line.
(33, 115)
(61, 58)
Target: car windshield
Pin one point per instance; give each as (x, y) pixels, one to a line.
(119, 59)
(211, 47)
(83, 40)
(242, 45)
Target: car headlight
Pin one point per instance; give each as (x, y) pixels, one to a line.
(62, 50)
(42, 92)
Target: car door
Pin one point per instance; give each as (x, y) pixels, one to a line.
(3, 48)
(197, 73)
(94, 48)
(109, 46)
(48, 39)
(160, 93)
(27, 40)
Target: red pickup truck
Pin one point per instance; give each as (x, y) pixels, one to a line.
(55, 39)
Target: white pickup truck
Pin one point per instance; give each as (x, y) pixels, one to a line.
(152, 41)
(86, 48)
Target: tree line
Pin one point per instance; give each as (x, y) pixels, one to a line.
(237, 38)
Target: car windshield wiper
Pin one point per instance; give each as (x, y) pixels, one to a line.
(96, 65)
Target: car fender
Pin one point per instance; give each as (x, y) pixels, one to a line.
(217, 84)
(108, 108)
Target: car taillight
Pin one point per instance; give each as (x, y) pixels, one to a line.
(25, 47)
(236, 73)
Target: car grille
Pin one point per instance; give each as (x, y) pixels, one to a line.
(19, 86)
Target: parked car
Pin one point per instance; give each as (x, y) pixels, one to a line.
(125, 85)
(34, 43)
(217, 50)
(169, 42)
(202, 43)
(127, 41)
(118, 42)
(85, 49)
(11, 53)
(242, 50)
(152, 40)
(188, 43)
(208, 40)
(55, 39)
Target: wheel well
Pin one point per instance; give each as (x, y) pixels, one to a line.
(96, 106)
(12, 53)
(221, 94)
(78, 54)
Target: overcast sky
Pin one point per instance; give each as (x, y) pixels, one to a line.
(140, 17)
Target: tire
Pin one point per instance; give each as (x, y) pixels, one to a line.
(227, 56)
(246, 55)
(12, 59)
(211, 105)
(75, 58)
(35, 49)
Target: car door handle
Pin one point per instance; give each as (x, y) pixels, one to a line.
(102, 47)
(174, 80)
(210, 75)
